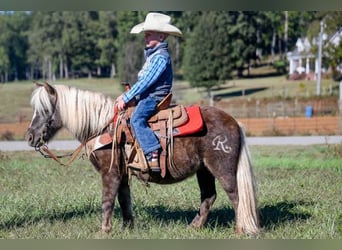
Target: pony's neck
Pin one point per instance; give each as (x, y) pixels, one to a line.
(84, 113)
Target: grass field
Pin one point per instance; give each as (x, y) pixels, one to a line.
(15, 97)
(299, 198)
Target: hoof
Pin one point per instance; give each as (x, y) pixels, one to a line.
(106, 230)
(127, 225)
(254, 233)
(197, 222)
(238, 231)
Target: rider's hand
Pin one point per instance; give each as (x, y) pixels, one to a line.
(120, 103)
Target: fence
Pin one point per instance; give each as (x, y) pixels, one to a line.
(286, 117)
(277, 126)
(284, 108)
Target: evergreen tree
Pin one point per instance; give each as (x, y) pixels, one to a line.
(106, 43)
(13, 45)
(4, 59)
(83, 50)
(44, 40)
(208, 52)
(130, 46)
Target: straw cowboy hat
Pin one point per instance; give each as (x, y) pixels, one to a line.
(157, 22)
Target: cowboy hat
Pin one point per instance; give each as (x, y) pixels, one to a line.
(157, 22)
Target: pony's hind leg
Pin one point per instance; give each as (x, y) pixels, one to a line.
(238, 181)
(124, 198)
(225, 170)
(206, 182)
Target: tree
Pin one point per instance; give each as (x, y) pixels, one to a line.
(273, 24)
(298, 23)
(45, 43)
(65, 41)
(207, 59)
(176, 48)
(244, 33)
(4, 59)
(13, 45)
(4, 64)
(130, 46)
(106, 42)
(332, 53)
(83, 50)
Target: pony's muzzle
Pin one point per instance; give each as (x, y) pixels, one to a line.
(29, 137)
(32, 140)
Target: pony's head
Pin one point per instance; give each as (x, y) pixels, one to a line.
(83, 113)
(46, 120)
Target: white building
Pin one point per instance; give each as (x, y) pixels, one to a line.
(301, 60)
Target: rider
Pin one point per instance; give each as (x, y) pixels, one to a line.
(154, 82)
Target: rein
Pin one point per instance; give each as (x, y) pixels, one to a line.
(46, 153)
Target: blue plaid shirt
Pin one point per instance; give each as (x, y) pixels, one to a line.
(155, 77)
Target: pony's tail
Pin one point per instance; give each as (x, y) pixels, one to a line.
(247, 215)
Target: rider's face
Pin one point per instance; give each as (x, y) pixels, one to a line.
(152, 38)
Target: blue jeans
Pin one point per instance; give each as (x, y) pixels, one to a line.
(147, 140)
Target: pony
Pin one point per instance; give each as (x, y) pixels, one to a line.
(219, 152)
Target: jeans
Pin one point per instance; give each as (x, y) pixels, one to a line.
(147, 140)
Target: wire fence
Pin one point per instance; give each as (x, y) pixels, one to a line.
(286, 117)
(287, 126)
(283, 108)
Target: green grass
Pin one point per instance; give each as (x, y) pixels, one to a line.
(298, 199)
(275, 87)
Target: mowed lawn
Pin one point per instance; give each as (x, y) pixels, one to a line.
(299, 195)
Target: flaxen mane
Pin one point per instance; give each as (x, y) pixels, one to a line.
(84, 113)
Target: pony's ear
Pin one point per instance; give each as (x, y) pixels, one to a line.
(51, 90)
(37, 84)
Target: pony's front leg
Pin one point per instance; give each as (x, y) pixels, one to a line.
(110, 186)
(124, 198)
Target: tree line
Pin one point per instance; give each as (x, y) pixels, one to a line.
(70, 44)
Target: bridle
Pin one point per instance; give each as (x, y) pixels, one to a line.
(43, 149)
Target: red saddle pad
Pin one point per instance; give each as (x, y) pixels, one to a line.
(194, 123)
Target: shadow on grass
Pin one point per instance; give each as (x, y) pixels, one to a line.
(25, 219)
(271, 216)
(238, 93)
(261, 75)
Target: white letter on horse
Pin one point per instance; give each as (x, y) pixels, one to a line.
(219, 144)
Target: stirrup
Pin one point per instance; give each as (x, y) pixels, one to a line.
(137, 167)
(154, 166)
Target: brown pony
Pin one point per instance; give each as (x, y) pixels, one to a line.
(219, 151)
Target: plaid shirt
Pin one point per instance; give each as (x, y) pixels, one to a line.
(155, 78)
